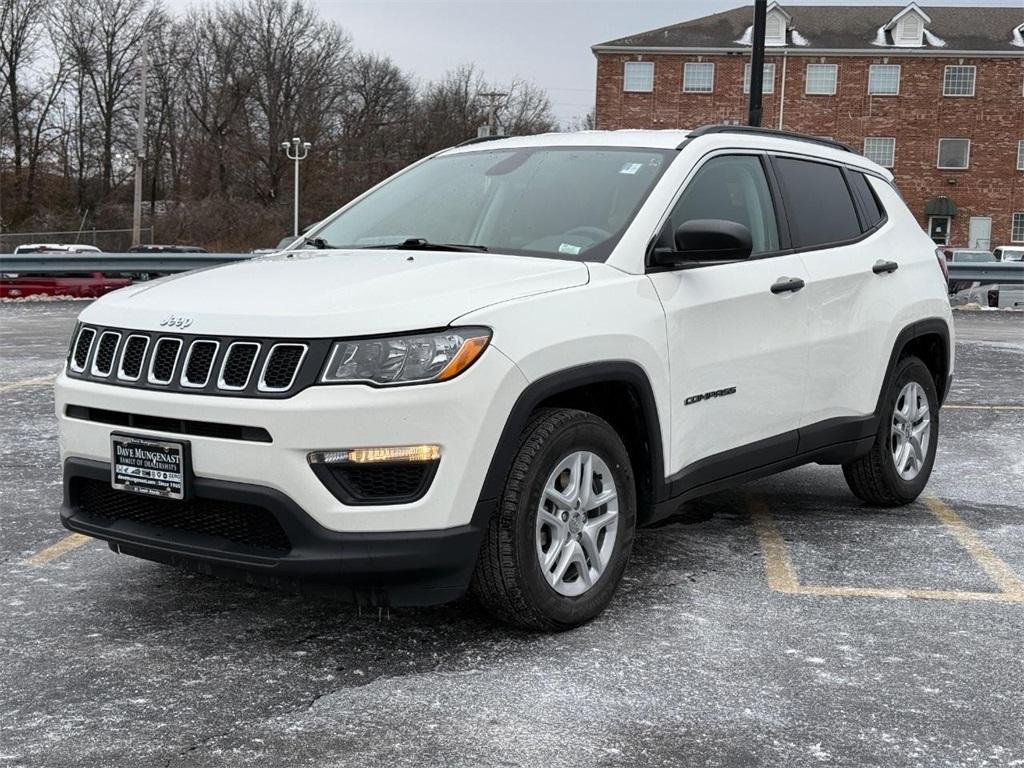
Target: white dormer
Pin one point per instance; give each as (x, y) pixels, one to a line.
(776, 24)
(908, 27)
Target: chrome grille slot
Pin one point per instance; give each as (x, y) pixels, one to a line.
(198, 364)
(165, 358)
(238, 364)
(83, 344)
(132, 355)
(282, 366)
(106, 352)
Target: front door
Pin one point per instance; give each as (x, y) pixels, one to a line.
(737, 350)
(979, 232)
(938, 229)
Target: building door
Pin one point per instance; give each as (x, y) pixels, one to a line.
(938, 229)
(979, 232)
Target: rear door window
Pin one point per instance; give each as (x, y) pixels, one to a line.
(818, 203)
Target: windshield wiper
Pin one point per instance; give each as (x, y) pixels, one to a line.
(422, 244)
(319, 242)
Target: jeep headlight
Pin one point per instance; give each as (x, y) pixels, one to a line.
(420, 357)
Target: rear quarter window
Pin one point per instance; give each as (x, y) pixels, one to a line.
(870, 207)
(818, 203)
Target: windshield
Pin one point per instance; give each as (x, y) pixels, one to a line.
(559, 202)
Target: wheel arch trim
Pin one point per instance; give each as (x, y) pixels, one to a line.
(919, 328)
(557, 382)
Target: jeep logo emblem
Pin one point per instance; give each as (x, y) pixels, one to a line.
(176, 321)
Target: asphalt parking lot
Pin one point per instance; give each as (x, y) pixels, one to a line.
(780, 624)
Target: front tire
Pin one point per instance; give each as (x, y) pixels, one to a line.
(896, 469)
(556, 547)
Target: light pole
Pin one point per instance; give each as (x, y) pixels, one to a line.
(301, 150)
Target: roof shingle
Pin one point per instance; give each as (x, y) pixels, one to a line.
(830, 27)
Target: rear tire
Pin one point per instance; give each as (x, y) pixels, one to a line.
(896, 469)
(556, 547)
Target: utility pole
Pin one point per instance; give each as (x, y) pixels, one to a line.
(757, 62)
(493, 97)
(140, 148)
(301, 150)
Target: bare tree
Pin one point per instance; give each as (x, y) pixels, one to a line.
(104, 39)
(21, 24)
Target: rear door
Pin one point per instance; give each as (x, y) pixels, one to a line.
(737, 350)
(853, 292)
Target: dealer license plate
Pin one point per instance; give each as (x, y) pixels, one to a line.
(150, 467)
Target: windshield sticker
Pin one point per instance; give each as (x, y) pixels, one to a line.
(570, 249)
(631, 168)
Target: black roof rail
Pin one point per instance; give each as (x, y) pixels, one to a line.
(705, 130)
(479, 140)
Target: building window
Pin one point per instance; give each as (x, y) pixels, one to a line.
(959, 81)
(638, 76)
(1017, 229)
(911, 28)
(880, 150)
(821, 79)
(938, 229)
(698, 77)
(954, 154)
(775, 29)
(884, 80)
(1020, 155)
(767, 84)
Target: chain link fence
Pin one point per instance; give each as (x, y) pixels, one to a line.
(110, 240)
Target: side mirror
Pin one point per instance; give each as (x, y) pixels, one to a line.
(706, 241)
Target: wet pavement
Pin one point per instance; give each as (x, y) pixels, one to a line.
(782, 623)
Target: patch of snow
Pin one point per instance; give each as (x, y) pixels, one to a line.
(880, 37)
(934, 40)
(748, 37)
(799, 39)
(1018, 37)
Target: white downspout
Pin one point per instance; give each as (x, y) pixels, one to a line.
(782, 91)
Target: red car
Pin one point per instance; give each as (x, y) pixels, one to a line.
(88, 285)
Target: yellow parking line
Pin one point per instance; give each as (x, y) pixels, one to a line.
(68, 543)
(26, 383)
(999, 571)
(965, 407)
(777, 564)
(782, 575)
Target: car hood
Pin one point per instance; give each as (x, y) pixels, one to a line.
(328, 293)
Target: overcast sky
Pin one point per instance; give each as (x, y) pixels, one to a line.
(544, 41)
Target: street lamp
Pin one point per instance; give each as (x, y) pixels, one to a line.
(301, 149)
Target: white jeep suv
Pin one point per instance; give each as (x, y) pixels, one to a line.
(488, 370)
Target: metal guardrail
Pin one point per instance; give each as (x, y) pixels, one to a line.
(986, 272)
(51, 263)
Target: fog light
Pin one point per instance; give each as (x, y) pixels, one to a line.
(399, 453)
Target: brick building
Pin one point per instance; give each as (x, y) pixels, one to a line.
(934, 93)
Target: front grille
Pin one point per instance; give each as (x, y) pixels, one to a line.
(165, 357)
(132, 356)
(106, 349)
(281, 367)
(82, 346)
(208, 365)
(245, 524)
(198, 364)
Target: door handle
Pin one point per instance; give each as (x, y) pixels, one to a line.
(784, 284)
(884, 267)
